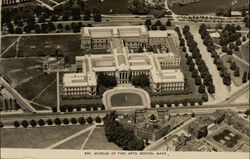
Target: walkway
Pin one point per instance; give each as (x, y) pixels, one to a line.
(86, 140)
(71, 137)
(221, 91)
(45, 4)
(10, 45)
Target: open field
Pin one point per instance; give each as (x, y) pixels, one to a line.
(74, 143)
(31, 46)
(109, 6)
(21, 70)
(98, 141)
(6, 42)
(206, 6)
(243, 67)
(33, 87)
(48, 97)
(41, 137)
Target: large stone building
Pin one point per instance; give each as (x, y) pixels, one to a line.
(162, 66)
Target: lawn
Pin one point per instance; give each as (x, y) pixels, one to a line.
(242, 66)
(98, 141)
(21, 70)
(126, 99)
(109, 6)
(30, 46)
(33, 87)
(206, 6)
(41, 137)
(6, 42)
(48, 97)
(227, 138)
(245, 51)
(50, 3)
(74, 143)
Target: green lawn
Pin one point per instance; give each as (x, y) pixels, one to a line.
(21, 70)
(105, 6)
(33, 87)
(243, 67)
(98, 141)
(36, 137)
(126, 99)
(75, 143)
(206, 6)
(48, 97)
(245, 51)
(6, 42)
(30, 46)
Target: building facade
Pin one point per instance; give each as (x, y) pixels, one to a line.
(162, 66)
(198, 129)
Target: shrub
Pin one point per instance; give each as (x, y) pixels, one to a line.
(25, 124)
(62, 109)
(49, 122)
(65, 121)
(89, 120)
(95, 107)
(73, 120)
(81, 120)
(70, 108)
(16, 124)
(98, 119)
(41, 122)
(33, 123)
(78, 108)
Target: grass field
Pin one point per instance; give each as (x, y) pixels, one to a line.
(242, 66)
(36, 137)
(106, 6)
(75, 143)
(98, 141)
(48, 97)
(126, 99)
(206, 6)
(6, 42)
(245, 51)
(21, 70)
(31, 46)
(33, 87)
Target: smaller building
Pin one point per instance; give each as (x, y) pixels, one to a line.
(198, 129)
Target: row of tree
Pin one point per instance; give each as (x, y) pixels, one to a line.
(121, 136)
(184, 102)
(196, 55)
(56, 121)
(208, 41)
(88, 107)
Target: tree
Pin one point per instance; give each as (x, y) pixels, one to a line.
(238, 27)
(60, 26)
(26, 29)
(237, 72)
(244, 38)
(227, 79)
(54, 109)
(65, 121)
(163, 27)
(98, 119)
(62, 108)
(244, 77)
(25, 124)
(229, 51)
(49, 122)
(87, 15)
(107, 80)
(38, 30)
(97, 16)
(168, 23)
(58, 121)
(41, 19)
(73, 120)
(41, 122)
(233, 65)
(224, 48)
(148, 22)
(184, 49)
(81, 120)
(67, 27)
(16, 124)
(197, 80)
(33, 123)
(78, 108)
(205, 97)
(18, 30)
(152, 117)
(238, 42)
(202, 88)
(154, 27)
(89, 120)
(211, 89)
(51, 26)
(231, 45)
(141, 80)
(192, 115)
(70, 108)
